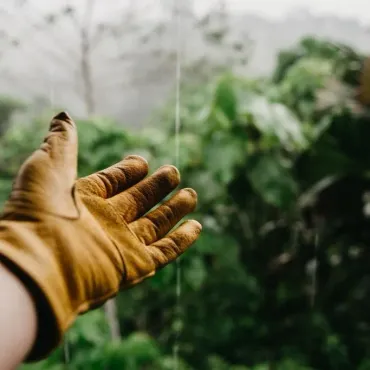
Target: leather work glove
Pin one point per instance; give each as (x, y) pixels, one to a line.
(75, 244)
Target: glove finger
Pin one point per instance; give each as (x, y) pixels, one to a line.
(61, 144)
(156, 224)
(176, 243)
(115, 179)
(141, 198)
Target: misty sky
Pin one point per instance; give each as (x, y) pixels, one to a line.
(358, 9)
(27, 74)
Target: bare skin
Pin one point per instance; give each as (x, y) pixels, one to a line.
(18, 320)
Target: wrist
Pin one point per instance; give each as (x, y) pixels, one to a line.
(35, 273)
(18, 320)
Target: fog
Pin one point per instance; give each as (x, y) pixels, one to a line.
(41, 46)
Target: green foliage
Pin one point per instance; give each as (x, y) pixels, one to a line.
(8, 107)
(273, 180)
(282, 182)
(346, 60)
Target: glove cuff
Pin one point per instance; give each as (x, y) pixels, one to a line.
(48, 334)
(41, 276)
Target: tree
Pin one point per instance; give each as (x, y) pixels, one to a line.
(8, 107)
(279, 278)
(106, 61)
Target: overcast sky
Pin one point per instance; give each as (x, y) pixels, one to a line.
(359, 9)
(43, 47)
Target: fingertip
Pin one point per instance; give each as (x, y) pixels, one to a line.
(141, 161)
(62, 122)
(196, 225)
(192, 193)
(171, 173)
(63, 116)
(177, 242)
(61, 144)
(191, 227)
(185, 199)
(187, 234)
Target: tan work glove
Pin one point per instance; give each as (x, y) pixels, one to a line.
(75, 244)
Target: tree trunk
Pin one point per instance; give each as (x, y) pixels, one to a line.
(86, 69)
(112, 318)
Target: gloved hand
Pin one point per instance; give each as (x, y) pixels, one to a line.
(75, 244)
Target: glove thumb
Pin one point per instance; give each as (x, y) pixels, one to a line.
(61, 143)
(46, 179)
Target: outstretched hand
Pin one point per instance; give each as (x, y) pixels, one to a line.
(80, 241)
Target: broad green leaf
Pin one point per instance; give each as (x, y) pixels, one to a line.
(208, 188)
(225, 98)
(274, 119)
(223, 155)
(273, 181)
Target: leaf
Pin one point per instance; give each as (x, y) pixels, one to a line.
(324, 159)
(138, 349)
(91, 328)
(163, 277)
(276, 120)
(223, 155)
(212, 242)
(273, 181)
(219, 119)
(225, 98)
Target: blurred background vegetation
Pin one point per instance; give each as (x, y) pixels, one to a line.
(280, 276)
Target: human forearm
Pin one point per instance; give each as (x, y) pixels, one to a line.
(18, 320)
